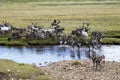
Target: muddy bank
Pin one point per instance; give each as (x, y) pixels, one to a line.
(82, 70)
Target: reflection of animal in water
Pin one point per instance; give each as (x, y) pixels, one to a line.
(61, 51)
(97, 59)
(75, 44)
(78, 54)
(72, 54)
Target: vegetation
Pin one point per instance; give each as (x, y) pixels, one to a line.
(22, 42)
(50, 0)
(76, 63)
(111, 41)
(47, 41)
(104, 16)
(10, 70)
(100, 16)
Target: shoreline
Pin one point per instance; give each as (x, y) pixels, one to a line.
(68, 70)
(62, 70)
(22, 43)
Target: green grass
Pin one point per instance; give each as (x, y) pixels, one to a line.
(50, 41)
(47, 41)
(76, 63)
(111, 41)
(27, 42)
(10, 69)
(105, 18)
(112, 34)
(50, 0)
(100, 17)
(13, 43)
(43, 77)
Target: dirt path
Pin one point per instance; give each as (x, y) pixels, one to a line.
(83, 70)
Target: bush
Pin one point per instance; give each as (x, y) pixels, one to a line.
(76, 63)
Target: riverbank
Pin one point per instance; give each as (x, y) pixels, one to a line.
(10, 70)
(62, 70)
(111, 38)
(82, 70)
(49, 41)
(28, 42)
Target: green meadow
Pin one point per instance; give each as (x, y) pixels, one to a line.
(11, 70)
(52, 0)
(103, 15)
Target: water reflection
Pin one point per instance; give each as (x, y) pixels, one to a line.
(46, 54)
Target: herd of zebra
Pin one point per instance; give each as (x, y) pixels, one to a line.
(76, 38)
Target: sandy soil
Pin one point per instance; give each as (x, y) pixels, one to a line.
(68, 70)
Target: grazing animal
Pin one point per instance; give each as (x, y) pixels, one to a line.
(97, 37)
(59, 31)
(55, 24)
(49, 32)
(18, 29)
(16, 35)
(33, 27)
(5, 28)
(40, 34)
(63, 39)
(30, 35)
(97, 59)
(82, 32)
(69, 39)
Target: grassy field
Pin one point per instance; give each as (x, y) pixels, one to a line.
(104, 17)
(101, 17)
(51, 0)
(10, 70)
